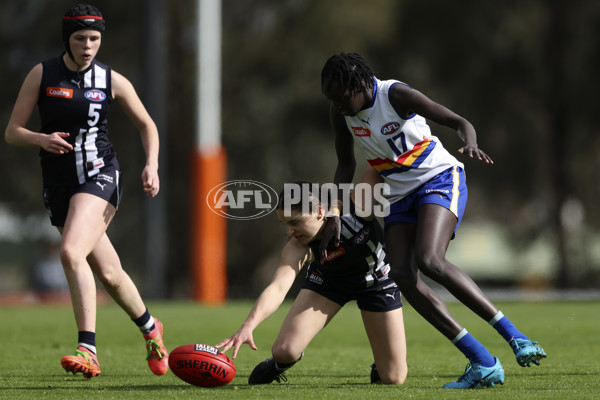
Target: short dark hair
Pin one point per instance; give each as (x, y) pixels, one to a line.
(308, 188)
(350, 70)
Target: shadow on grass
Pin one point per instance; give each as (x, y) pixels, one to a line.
(299, 382)
(48, 388)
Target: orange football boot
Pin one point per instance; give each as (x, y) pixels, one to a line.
(158, 357)
(83, 361)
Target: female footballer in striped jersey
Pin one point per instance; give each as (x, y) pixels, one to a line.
(356, 270)
(81, 176)
(428, 194)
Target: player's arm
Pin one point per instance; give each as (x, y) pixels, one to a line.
(344, 149)
(293, 257)
(366, 201)
(16, 132)
(124, 92)
(407, 101)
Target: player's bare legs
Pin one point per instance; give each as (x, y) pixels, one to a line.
(429, 239)
(85, 251)
(424, 300)
(427, 242)
(385, 331)
(434, 230)
(86, 222)
(106, 264)
(309, 314)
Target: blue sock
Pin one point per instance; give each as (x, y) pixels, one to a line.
(506, 328)
(145, 322)
(473, 350)
(87, 339)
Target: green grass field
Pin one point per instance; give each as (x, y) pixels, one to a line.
(335, 366)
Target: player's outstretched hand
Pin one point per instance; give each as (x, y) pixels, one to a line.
(472, 151)
(331, 233)
(236, 341)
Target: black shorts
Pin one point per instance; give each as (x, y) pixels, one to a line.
(106, 185)
(383, 295)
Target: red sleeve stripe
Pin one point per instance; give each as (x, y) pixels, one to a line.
(84, 17)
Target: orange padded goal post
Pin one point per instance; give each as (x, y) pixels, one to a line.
(209, 166)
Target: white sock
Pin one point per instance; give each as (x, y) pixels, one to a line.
(496, 318)
(147, 328)
(88, 346)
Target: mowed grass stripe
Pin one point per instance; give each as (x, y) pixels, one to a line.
(336, 364)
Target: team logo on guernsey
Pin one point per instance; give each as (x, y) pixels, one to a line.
(242, 199)
(59, 92)
(95, 95)
(390, 128)
(360, 131)
(362, 236)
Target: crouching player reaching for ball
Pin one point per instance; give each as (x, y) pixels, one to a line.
(356, 270)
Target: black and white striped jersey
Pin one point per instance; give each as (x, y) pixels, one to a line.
(361, 252)
(76, 103)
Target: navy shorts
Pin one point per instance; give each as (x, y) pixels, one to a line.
(106, 185)
(383, 295)
(447, 189)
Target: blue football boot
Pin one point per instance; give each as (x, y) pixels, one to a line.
(527, 352)
(477, 376)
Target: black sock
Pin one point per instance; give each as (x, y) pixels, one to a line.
(145, 322)
(281, 367)
(87, 339)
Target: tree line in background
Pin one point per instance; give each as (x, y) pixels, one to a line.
(524, 73)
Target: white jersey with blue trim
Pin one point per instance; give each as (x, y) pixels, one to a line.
(402, 150)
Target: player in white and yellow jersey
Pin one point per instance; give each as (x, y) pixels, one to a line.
(428, 193)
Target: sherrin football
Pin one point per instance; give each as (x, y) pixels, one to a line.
(201, 365)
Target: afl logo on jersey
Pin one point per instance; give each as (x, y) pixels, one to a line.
(95, 95)
(362, 236)
(390, 128)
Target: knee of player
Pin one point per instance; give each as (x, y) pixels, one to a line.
(394, 377)
(431, 264)
(70, 255)
(284, 353)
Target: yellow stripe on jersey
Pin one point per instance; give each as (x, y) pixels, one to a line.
(412, 158)
(455, 191)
